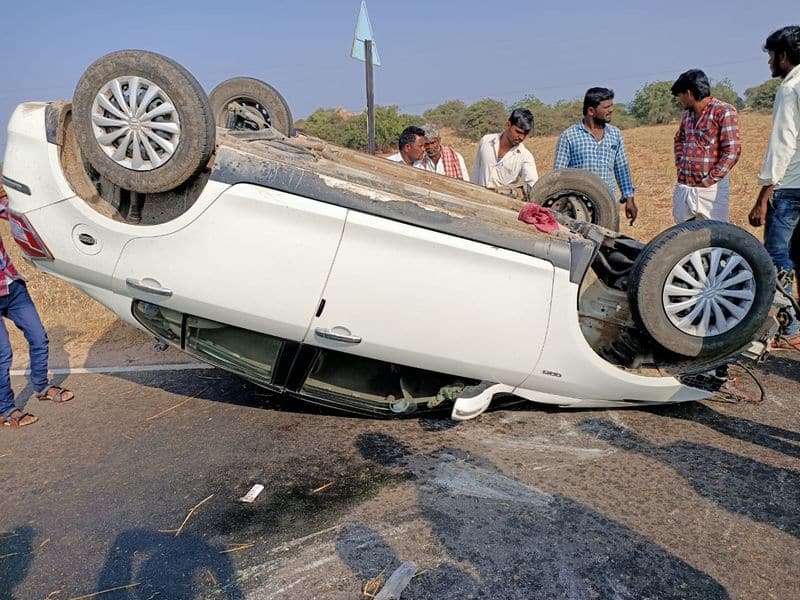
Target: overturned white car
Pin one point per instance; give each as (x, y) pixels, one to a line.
(352, 281)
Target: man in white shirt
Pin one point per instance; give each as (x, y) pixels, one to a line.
(444, 160)
(502, 161)
(777, 207)
(411, 147)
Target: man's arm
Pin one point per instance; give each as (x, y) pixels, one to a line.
(622, 173)
(528, 172)
(758, 214)
(781, 148)
(782, 141)
(680, 138)
(3, 204)
(562, 153)
(730, 147)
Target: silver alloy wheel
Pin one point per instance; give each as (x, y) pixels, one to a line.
(135, 123)
(709, 292)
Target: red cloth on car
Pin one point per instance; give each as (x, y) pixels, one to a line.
(538, 216)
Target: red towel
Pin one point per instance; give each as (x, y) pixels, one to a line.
(538, 216)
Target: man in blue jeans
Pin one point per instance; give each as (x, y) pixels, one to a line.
(17, 306)
(778, 204)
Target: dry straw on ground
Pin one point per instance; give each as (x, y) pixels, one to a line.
(72, 319)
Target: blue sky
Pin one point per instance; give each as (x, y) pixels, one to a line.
(430, 51)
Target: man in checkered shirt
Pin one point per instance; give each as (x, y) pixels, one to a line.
(706, 148)
(16, 306)
(595, 145)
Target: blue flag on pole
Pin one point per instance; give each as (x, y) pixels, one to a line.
(362, 34)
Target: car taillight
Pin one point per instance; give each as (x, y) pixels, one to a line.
(26, 237)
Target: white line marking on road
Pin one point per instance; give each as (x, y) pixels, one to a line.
(128, 369)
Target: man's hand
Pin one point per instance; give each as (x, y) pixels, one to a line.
(758, 214)
(631, 212)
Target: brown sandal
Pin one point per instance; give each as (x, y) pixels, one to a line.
(56, 394)
(19, 419)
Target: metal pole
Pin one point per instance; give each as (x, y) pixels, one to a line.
(370, 99)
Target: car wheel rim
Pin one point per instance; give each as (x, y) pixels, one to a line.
(709, 292)
(573, 205)
(250, 116)
(136, 123)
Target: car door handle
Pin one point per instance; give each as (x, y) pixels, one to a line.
(146, 287)
(330, 334)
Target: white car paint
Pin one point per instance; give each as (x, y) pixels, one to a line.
(265, 270)
(448, 304)
(414, 296)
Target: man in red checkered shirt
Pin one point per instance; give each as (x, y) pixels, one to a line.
(706, 148)
(17, 306)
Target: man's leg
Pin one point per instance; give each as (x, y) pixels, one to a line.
(783, 217)
(6, 393)
(681, 203)
(718, 198)
(22, 312)
(794, 254)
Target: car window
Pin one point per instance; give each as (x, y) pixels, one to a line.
(363, 384)
(163, 322)
(248, 353)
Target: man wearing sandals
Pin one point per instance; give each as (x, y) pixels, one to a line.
(777, 207)
(16, 305)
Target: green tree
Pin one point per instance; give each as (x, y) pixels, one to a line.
(482, 117)
(723, 90)
(560, 115)
(324, 123)
(389, 123)
(622, 116)
(761, 97)
(654, 104)
(545, 120)
(449, 114)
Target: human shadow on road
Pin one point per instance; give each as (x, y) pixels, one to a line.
(167, 566)
(519, 542)
(768, 436)
(741, 485)
(784, 364)
(16, 554)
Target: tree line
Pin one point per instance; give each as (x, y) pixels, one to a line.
(652, 104)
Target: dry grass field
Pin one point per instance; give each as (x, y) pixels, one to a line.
(75, 323)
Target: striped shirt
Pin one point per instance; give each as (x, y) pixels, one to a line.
(707, 146)
(578, 148)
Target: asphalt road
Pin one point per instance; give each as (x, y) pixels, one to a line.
(693, 501)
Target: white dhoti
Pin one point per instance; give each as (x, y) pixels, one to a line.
(701, 202)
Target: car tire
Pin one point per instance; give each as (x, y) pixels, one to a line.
(576, 193)
(254, 94)
(146, 156)
(729, 284)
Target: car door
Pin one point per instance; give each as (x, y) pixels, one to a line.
(411, 296)
(256, 258)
